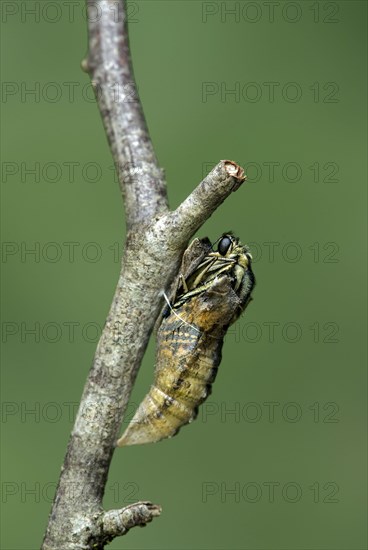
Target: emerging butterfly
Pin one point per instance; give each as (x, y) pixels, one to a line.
(212, 290)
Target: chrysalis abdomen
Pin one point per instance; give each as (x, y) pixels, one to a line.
(187, 362)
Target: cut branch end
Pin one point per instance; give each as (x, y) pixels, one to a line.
(236, 171)
(119, 522)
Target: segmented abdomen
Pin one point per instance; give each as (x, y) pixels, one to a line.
(186, 365)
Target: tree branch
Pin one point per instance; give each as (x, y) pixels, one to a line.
(155, 243)
(223, 179)
(109, 64)
(118, 522)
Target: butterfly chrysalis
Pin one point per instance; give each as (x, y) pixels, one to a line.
(212, 290)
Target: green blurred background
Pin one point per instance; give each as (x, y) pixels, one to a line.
(276, 457)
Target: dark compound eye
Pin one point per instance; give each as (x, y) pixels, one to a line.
(224, 245)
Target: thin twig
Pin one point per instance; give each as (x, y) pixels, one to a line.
(154, 247)
(109, 64)
(225, 178)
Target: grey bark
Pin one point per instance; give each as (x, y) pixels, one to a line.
(156, 240)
